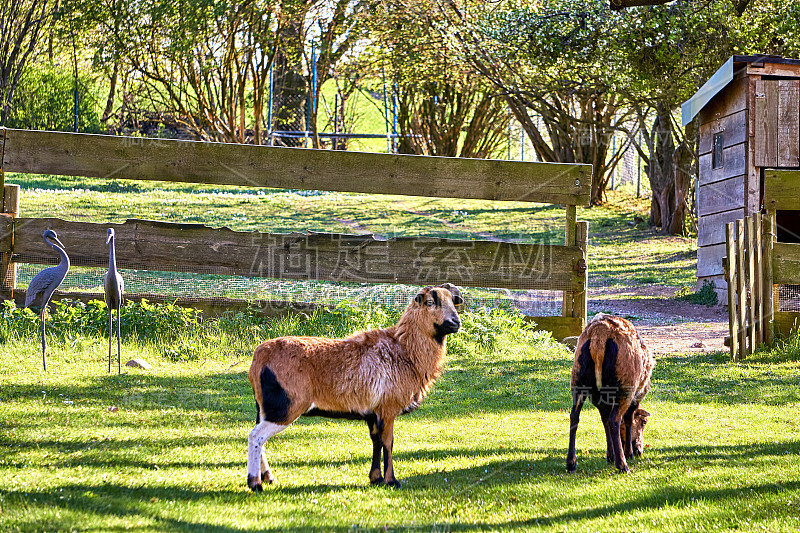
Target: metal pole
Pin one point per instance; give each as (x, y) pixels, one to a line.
(395, 91)
(639, 168)
(269, 107)
(386, 114)
(336, 120)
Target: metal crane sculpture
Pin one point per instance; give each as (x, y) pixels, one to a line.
(113, 287)
(42, 286)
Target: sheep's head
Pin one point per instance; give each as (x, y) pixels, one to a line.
(637, 430)
(438, 306)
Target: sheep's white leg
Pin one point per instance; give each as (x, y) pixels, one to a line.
(266, 473)
(255, 457)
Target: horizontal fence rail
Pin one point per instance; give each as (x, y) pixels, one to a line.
(148, 245)
(111, 157)
(198, 249)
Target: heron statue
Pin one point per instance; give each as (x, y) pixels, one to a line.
(113, 287)
(42, 286)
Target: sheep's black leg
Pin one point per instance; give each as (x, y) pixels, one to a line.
(387, 439)
(609, 445)
(616, 444)
(574, 418)
(375, 428)
(627, 439)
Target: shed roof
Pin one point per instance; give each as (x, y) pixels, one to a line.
(720, 79)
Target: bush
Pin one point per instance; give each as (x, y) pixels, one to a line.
(45, 100)
(705, 296)
(181, 334)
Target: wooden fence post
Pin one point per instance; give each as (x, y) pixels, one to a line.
(750, 294)
(741, 289)
(580, 305)
(569, 240)
(769, 300)
(8, 270)
(758, 281)
(730, 277)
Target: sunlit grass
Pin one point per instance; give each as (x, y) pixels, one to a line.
(485, 452)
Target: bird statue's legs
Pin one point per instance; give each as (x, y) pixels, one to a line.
(119, 342)
(110, 311)
(44, 354)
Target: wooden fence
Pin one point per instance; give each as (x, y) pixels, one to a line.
(756, 265)
(194, 248)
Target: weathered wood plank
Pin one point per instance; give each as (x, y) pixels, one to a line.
(581, 273)
(769, 233)
(786, 263)
(148, 245)
(711, 228)
(730, 277)
(774, 69)
(788, 123)
(721, 196)
(709, 260)
(758, 278)
(8, 269)
(785, 322)
(782, 190)
(766, 123)
(104, 156)
(733, 127)
(732, 100)
(734, 165)
(561, 327)
(741, 295)
(750, 270)
(568, 300)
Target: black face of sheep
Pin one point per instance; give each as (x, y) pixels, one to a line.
(639, 420)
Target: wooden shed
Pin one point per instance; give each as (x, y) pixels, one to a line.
(749, 121)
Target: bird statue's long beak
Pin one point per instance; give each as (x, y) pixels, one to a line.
(58, 242)
(109, 235)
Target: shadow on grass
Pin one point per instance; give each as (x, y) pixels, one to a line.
(105, 501)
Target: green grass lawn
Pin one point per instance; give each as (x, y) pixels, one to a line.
(486, 452)
(622, 252)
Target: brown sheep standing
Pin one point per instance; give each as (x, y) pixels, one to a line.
(372, 376)
(613, 367)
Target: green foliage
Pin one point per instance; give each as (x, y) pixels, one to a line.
(45, 100)
(705, 296)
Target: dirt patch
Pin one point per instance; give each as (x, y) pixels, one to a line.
(666, 324)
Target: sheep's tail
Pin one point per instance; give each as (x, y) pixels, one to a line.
(604, 351)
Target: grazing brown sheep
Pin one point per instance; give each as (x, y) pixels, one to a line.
(373, 376)
(612, 367)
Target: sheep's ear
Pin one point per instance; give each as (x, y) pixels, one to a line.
(419, 297)
(455, 292)
(642, 412)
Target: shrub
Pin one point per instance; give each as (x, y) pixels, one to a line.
(45, 100)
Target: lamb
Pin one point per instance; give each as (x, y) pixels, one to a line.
(373, 376)
(613, 367)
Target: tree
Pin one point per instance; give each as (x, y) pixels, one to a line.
(21, 23)
(204, 64)
(553, 62)
(444, 107)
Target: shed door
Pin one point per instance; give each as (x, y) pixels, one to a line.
(777, 123)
